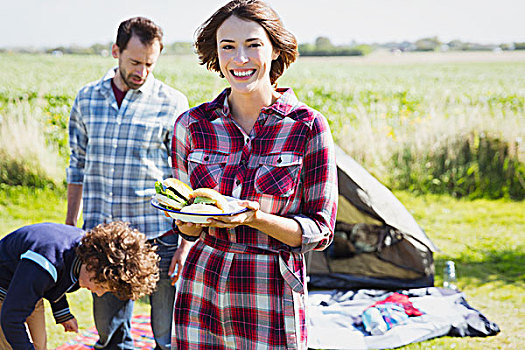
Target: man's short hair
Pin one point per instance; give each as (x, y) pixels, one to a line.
(145, 29)
(120, 258)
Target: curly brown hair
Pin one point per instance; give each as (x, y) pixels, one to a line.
(282, 40)
(120, 258)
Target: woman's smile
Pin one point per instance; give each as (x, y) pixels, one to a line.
(243, 74)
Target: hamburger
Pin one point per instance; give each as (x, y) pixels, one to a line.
(176, 195)
(205, 201)
(172, 193)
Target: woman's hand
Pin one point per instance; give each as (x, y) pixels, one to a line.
(244, 218)
(188, 228)
(281, 228)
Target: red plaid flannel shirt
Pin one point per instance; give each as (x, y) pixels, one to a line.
(287, 164)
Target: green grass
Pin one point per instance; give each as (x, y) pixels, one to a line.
(485, 239)
(81, 306)
(21, 206)
(487, 242)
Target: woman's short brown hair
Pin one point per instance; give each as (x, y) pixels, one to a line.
(120, 258)
(282, 40)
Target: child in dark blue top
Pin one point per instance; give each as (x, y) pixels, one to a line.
(49, 260)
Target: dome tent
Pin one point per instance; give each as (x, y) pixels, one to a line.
(377, 243)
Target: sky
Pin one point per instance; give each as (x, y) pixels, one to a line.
(51, 23)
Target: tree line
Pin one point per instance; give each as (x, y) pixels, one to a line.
(322, 46)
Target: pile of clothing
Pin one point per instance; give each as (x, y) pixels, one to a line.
(381, 316)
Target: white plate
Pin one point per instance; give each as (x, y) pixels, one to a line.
(200, 218)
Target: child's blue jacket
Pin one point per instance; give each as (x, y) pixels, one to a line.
(36, 261)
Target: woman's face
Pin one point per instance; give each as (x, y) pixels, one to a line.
(245, 55)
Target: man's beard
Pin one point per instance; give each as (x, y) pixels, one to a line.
(127, 80)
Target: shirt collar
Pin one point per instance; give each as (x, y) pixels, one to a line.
(284, 105)
(105, 82)
(220, 102)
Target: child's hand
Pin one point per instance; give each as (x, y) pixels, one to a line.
(70, 325)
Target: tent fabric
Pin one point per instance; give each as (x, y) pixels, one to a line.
(370, 196)
(377, 242)
(335, 319)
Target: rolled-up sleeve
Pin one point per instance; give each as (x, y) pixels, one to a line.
(320, 191)
(78, 139)
(180, 148)
(180, 107)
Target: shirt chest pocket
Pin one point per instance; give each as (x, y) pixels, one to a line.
(206, 168)
(147, 135)
(278, 174)
(143, 138)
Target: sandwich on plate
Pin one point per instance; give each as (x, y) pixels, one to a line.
(176, 195)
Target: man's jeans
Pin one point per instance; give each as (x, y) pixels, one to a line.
(113, 316)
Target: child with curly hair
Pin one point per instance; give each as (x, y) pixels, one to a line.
(48, 260)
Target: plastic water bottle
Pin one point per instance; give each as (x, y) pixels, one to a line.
(374, 322)
(449, 275)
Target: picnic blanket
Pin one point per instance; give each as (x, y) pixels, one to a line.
(335, 318)
(140, 329)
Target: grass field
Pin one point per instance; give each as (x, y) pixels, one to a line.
(377, 105)
(484, 238)
(381, 108)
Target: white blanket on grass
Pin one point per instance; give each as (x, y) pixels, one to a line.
(334, 318)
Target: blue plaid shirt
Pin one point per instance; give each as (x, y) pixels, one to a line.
(118, 154)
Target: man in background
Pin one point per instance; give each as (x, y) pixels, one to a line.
(120, 131)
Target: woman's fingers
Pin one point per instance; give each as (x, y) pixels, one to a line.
(224, 221)
(249, 204)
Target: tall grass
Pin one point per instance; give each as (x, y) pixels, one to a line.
(28, 157)
(414, 123)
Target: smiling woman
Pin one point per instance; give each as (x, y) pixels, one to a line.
(275, 156)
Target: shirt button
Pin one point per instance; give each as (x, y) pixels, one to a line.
(243, 162)
(112, 170)
(238, 182)
(247, 140)
(114, 146)
(110, 194)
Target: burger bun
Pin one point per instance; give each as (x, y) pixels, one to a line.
(220, 200)
(201, 208)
